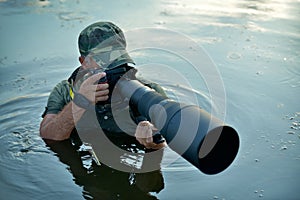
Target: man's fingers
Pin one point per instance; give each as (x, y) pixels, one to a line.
(94, 78)
(144, 130)
(143, 142)
(151, 145)
(154, 128)
(101, 93)
(159, 146)
(102, 86)
(102, 98)
(149, 139)
(143, 135)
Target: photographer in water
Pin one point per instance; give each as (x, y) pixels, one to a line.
(103, 60)
(62, 113)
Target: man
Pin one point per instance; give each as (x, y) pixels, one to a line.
(96, 42)
(102, 49)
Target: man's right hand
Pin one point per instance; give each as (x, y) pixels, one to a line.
(94, 92)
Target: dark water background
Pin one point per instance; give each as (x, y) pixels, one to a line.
(254, 44)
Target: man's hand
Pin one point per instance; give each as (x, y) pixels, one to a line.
(92, 91)
(143, 135)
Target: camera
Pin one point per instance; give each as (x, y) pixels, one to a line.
(113, 76)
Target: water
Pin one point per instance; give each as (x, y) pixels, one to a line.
(254, 45)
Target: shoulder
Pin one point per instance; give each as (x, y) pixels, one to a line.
(59, 97)
(61, 89)
(62, 86)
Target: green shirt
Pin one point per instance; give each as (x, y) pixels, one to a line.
(59, 98)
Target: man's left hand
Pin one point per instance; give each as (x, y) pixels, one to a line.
(143, 135)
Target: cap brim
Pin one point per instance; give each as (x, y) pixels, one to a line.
(111, 59)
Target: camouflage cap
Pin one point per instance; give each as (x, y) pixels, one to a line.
(105, 43)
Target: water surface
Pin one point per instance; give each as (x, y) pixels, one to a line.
(254, 45)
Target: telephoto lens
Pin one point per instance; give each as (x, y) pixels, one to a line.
(196, 135)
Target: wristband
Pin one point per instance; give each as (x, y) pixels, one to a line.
(82, 101)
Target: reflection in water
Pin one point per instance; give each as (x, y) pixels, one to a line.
(103, 182)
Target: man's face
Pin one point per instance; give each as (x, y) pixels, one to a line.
(89, 63)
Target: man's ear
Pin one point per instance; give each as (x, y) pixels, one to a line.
(81, 59)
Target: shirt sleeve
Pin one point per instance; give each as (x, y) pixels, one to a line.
(58, 98)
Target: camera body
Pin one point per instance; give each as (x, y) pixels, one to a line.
(113, 76)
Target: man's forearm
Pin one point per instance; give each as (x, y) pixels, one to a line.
(60, 126)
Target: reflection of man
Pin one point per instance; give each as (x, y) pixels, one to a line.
(102, 47)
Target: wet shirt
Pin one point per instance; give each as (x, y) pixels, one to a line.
(59, 97)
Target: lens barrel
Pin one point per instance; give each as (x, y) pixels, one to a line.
(200, 138)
